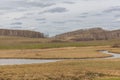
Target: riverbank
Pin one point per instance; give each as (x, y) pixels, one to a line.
(91, 69)
(63, 70)
(38, 61)
(55, 53)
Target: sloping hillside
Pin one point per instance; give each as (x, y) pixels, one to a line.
(90, 34)
(21, 33)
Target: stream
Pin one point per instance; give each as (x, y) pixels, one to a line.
(114, 55)
(33, 61)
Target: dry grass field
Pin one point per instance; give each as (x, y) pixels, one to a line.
(64, 70)
(115, 50)
(55, 53)
(14, 47)
(61, 70)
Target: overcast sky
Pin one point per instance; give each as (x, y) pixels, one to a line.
(58, 16)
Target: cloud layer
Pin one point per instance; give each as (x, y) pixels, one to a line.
(58, 16)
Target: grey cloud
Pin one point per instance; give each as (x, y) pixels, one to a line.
(67, 21)
(29, 14)
(68, 2)
(43, 22)
(33, 4)
(1, 26)
(59, 22)
(90, 14)
(20, 10)
(56, 10)
(40, 19)
(17, 27)
(16, 23)
(85, 13)
(5, 8)
(82, 16)
(116, 22)
(12, 8)
(24, 17)
(23, 5)
(113, 9)
(1, 13)
(117, 15)
(8, 5)
(98, 14)
(74, 20)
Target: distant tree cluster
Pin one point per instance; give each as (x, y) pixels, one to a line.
(21, 33)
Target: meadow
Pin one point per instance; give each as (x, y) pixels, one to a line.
(33, 48)
(64, 70)
(56, 53)
(7, 42)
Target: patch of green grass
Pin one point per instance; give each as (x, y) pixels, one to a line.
(36, 43)
(118, 78)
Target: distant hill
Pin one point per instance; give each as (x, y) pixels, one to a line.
(89, 34)
(21, 33)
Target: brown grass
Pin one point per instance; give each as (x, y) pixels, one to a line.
(114, 50)
(63, 70)
(55, 53)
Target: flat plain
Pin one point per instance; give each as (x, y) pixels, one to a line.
(98, 69)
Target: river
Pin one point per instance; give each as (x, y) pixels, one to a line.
(33, 61)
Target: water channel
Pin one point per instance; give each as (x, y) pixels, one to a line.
(33, 61)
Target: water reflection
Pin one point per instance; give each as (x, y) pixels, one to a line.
(23, 61)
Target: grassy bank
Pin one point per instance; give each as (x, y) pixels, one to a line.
(55, 53)
(64, 70)
(14, 47)
(37, 43)
(114, 50)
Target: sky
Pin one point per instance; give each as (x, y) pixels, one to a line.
(58, 16)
